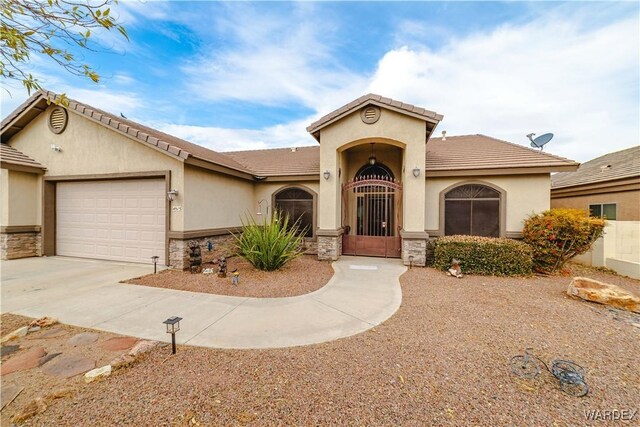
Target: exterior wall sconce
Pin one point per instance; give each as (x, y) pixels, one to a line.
(171, 195)
(56, 148)
(173, 326)
(416, 171)
(326, 175)
(154, 260)
(260, 207)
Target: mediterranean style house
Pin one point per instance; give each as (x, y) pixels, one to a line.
(81, 182)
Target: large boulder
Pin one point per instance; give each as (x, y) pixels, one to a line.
(603, 293)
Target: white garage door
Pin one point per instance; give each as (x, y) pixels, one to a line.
(122, 220)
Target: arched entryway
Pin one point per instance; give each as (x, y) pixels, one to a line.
(371, 212)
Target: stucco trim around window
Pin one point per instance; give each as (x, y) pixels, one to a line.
(314, 214)
(502, 209)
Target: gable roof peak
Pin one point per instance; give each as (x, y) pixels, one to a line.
(379, 100)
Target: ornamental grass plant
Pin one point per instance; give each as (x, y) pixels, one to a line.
(269, 245)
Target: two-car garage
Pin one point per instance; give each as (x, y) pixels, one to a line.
(118, 219)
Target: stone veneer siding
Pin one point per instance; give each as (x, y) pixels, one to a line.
(20, 245)
(329, 248)
(416, 248)
(223, 246)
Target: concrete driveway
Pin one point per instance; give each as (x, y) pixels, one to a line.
(362, 293)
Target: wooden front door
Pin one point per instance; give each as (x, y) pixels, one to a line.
(371, 217)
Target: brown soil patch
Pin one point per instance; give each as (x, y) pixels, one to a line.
(300, 276)
(442, 359)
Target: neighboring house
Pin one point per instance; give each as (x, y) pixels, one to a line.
(82, 182)
(609, 187)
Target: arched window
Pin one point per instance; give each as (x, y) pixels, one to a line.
(375, 170)
(298, 204)
(472, 209)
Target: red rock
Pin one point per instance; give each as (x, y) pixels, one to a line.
(83, 339)
(52, 333)
(22, 361)
(119, 343)
(68, 366)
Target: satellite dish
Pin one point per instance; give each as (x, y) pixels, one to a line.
(540, 141)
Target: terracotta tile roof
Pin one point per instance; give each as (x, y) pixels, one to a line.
(471, 152)
(280, 161)
(375, 99)
(10, 155)
(619, 165)
(173, 145)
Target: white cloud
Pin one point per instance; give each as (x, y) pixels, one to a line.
(273, 59)
(547, 76)
(223, 139)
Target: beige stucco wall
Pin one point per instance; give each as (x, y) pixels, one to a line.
(392, 128)
(266, 191)
(4, 197)
(213, 200)
(21, 198)
(388, 155)
(89, 148)
(525, 194)
(628, 203)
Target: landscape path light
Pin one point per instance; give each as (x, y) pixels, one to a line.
(173, 326)
(155, 259)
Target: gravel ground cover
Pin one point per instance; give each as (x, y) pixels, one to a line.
(35, 381)
(442, 359)
(300, 276)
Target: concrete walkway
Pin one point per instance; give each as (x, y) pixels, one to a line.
(362, 293)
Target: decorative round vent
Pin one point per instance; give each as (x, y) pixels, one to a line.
(370, 114)
(58, 120)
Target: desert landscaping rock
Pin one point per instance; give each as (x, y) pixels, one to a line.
(119, 343)
(26, 360)
(122, 361)
(143, 347)
(94, 374)
(6, 350)
(51, 333)
(603, 293)
(34, 329)
(43, 322)
(18, 333)
(84, 338)
(68, 366)
(8, 393)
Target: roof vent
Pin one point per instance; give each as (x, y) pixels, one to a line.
(444, 135)
(370, 114)
(294, 149)
(58, 120)
(604, 168)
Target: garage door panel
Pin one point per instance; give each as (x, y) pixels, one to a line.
(121, 220)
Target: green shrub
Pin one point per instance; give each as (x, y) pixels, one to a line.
(484, 255)
(557, 235)
(270, 245)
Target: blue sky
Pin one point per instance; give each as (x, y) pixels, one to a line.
(236, 76)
